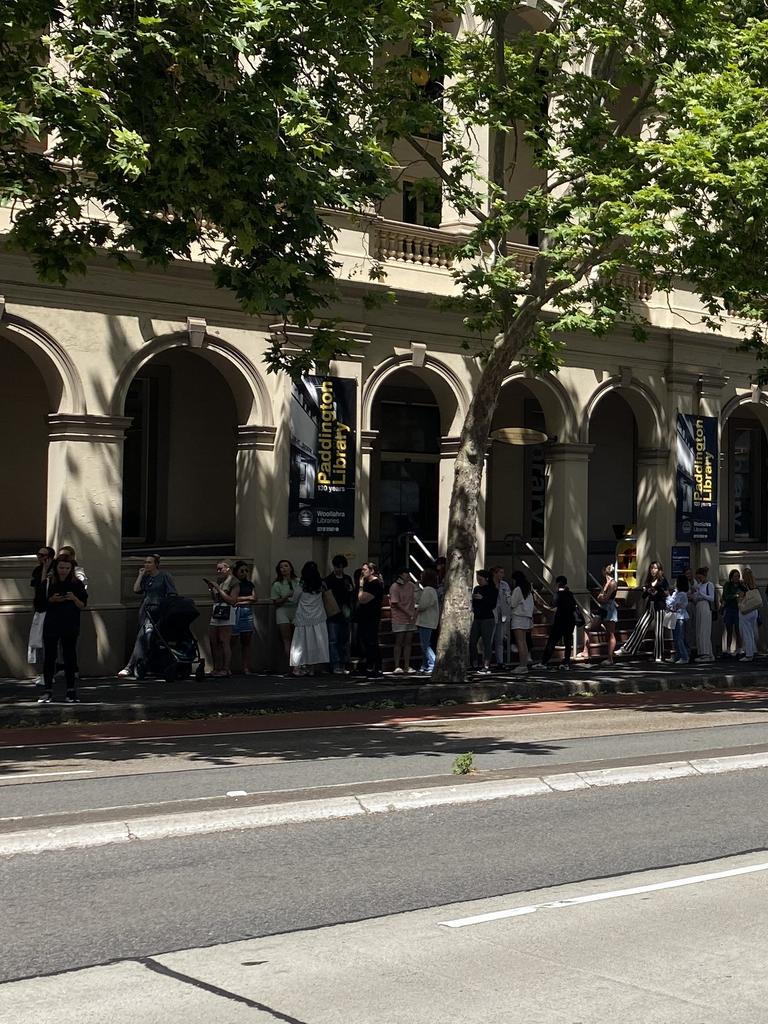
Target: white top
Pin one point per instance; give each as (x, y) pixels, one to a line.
(522, 609)
(705, 592)
(427, 608)
(310, 609)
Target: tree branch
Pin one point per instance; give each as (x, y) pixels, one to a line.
(441, 172)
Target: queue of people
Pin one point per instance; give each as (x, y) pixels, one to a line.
(324, 621)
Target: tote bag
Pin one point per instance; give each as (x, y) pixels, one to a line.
(752, 599)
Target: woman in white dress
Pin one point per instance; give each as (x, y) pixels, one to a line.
(704, 602)
(309, 644)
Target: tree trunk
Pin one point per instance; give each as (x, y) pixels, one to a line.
(453, 644)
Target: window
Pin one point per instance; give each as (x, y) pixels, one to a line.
(746, 478)
(422, 203)
(140, 458)
(410, 428)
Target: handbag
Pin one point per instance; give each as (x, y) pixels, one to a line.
(220, 612)
(752, 599)
(331, 604)
(670, 620)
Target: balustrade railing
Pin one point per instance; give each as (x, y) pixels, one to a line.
(411, 243)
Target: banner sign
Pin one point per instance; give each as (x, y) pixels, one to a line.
(321, 499)
(681, 560)
(697, 465)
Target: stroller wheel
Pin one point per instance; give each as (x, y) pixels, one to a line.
(170, 674)
(140, 670)
(183, 671)
(200, 671)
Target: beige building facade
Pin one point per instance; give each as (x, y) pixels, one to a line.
(136, 415)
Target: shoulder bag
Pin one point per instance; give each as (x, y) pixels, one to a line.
(331, 604)
(752, 600)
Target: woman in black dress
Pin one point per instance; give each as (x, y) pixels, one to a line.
(64, 597)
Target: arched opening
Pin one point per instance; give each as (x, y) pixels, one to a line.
(179, 457)
(612, 478)
(25, 403)
(516, 478)
(405, 471)
(744, 479)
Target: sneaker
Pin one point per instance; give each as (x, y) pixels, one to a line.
(397, 672)
(565, 666)
(47, 698)
(619, 652)
(125, 673)
(607, 662)
(39, 683)
(71, 698)
(411, 670)
(521, 670)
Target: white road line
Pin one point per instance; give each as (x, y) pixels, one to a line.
(500, 915)
(41, 775)
(396, 723)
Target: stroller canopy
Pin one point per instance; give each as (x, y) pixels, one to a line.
(174, 616)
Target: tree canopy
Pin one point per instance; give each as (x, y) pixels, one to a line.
(166, 129)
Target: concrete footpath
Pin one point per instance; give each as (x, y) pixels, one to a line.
(126, 700)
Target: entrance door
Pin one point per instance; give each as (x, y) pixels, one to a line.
(408, 503)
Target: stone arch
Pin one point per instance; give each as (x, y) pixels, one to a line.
(759, 407)
(554, 400)
(451, 395)
(254, 406)
(62, 380)
(648, 412)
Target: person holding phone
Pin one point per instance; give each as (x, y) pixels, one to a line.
(64, 597)
(225, 591)
(154, 584)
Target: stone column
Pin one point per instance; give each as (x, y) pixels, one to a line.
(254, 505)
(368, 442)
(85, 509)
(565, 511)
(655, 507)
(449, 447)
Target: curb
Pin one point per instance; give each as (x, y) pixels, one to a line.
(429, 695)
(170, 826)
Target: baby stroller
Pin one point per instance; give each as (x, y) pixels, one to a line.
(171, 648)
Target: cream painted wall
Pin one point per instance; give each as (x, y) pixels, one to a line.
(23, 451)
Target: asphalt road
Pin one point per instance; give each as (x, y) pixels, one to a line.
(68, 910)
(683, 944)
(37, 780)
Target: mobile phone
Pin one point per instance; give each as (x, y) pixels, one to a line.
(207, 582)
